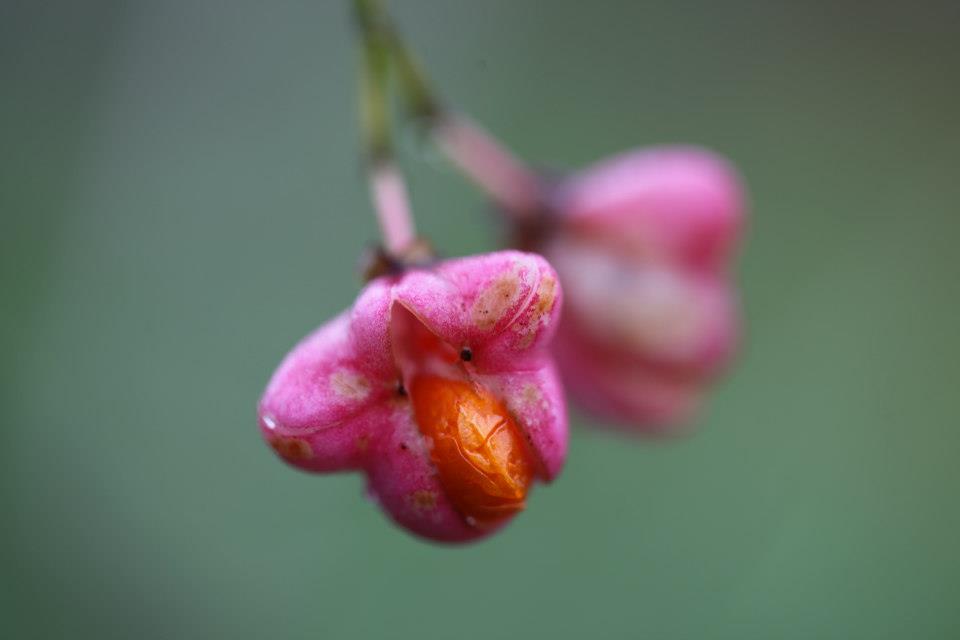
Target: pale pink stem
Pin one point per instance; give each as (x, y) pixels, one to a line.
(389, 193)
(493, 167)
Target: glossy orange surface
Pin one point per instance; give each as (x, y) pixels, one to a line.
(478, 450)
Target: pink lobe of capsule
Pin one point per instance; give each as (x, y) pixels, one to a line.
(680, 204)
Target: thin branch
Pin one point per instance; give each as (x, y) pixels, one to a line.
(483, 159)
(387, 188)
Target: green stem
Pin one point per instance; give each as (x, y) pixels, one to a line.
(375, 24)
(421, 101)
(375, 122)
(387, 187)
(478, 155)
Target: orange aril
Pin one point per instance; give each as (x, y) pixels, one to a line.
(478, 450)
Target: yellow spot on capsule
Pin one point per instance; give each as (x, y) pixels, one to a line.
(546, 295)
(423, 500)
(349, 384)
(529, 325)
(291, 448)
(495, 300)
(531, 395)
(478, 450)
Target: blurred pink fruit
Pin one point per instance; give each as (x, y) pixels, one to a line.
(642, 244)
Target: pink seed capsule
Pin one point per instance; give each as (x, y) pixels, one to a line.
(439, 386)
(642, 244)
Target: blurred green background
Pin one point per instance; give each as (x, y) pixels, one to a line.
(181, 200)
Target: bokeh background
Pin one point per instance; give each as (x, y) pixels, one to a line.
(181, 200)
